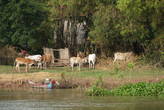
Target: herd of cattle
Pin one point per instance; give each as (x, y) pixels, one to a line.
(43, 60)
(28, 61)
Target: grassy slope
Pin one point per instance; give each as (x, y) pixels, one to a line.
(111, 77)
(85, 72)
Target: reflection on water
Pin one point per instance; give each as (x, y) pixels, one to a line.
(67, 99)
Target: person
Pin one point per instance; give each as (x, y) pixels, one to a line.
(23, 53)
(51, 84)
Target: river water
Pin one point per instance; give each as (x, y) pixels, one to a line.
(71, 99)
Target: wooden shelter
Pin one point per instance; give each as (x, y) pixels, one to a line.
(60, 57)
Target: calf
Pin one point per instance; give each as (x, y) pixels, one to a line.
(26, 62)
(122, 56)
(37, 58)
(77, 60)
(92, 60)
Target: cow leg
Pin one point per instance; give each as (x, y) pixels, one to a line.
(79, 66)
(114, 60)
(45, 65)
(89, 64)
(40, 65)
(26, 69)
(17, 67)
(93, 65)
(72, 65)
(29, 66)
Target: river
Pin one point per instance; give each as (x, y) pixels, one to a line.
(71, 99)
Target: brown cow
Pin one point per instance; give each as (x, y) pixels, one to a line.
(26, 62)
(46, 59)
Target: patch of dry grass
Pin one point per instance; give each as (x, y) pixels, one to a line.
(28, 76)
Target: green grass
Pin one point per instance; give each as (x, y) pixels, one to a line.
(85, 72)
(7, 69)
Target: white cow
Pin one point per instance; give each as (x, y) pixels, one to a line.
(92, 60)
(77, 60)
(37, 58)
(122, 56)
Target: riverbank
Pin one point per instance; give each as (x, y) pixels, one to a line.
(82, 79)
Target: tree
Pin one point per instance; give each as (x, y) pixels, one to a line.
(127, 24)
(105, 33)
(74, 12)
(144, 17)
(22, 23)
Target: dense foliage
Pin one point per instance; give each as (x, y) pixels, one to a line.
(112, 25)
(23, 23)
(138, 89)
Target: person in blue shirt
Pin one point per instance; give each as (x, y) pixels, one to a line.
(51, 84)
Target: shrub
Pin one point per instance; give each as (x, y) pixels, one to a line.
(97, 91)
(138, 89)
(155, 52)
(130, 65)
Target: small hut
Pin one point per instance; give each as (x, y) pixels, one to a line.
(60, 57)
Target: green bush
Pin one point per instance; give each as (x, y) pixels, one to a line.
(138, 89)
(130, 65)
(97, 91)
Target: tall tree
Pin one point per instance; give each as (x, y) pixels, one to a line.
(144, 17)
(106, 29)
(21, 23)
